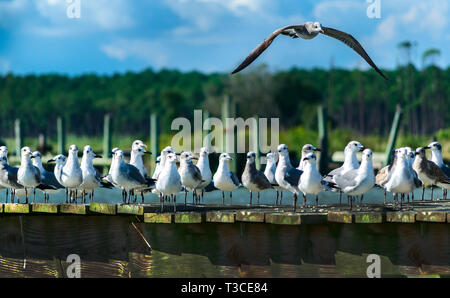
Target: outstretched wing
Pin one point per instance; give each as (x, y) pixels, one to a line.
(261, 48)
(352, 43)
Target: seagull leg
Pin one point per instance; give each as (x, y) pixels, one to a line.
(350, 198)
(281, 197)
(251, 197)
(423, 192)
(295, 201)
(223, 198)
(258, 198)
(385, 196)
(174, 203)
(231, 197)
(26, 195)
(185, 197)
(161, 201)
(304, 200)
(142, 197)
(432, 188)
(276, 202)
(360, 202)
(34, 194)
(7, 191)
(202, 195)
(317, 201)
(340, 197)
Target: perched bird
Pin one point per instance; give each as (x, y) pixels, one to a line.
(269, 172)
(308, 30)
(350, 163)
(71, 176)
(169, 180)
(60, 161)
(306, 149)
(357, 181)
(253, 179)
(4, 152)
(28, 175)
(137, 151)
(311, 181)
(205, 169)
(428, 172)
(191, 176)
(8, 176)
(108, 177)
(224, 179)
(436, 157)
(286, 175)
(127, 176)
(162, 161)
(401, 180)
(47, 177)
(91, 177)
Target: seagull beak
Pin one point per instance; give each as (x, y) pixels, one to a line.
(98, 156)
(317, 149)
(143, 145)
(321, 31)
(427, 147)
(194, 157)
(362, 148)
(304, 159)
(51, 160)
(32, 156)
(147, 152)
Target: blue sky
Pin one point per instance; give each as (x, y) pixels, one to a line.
(36, 36)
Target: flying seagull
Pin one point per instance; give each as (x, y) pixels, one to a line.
(308, 30)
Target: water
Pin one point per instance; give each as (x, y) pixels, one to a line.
(240, 196)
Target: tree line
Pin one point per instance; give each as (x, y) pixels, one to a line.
(356, 100)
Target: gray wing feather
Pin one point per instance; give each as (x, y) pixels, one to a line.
(134, 174)
(261, 180)
(261, 48)
(352, 43)
(292, 176)
(346, 180)
(235, 179)
(50, 179)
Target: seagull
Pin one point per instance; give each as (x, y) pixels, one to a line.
(311, 181)
(286, 175)
(205, 169)
(436, 157)
(224, 179)
(191, 176)
(60, 161)
(384, 174)
(8, 176)
(127, 176)
(253, 179)
(91, 177)
(269, 172)
(46, 176)
(357, 181)
(137, 151)
(308, 30)
(162, 161)
(308, 148)
(169, 180)
(28, 175)
(428, 172)
(350, 162)
(71, 175)
(401, 178)
(4, 152)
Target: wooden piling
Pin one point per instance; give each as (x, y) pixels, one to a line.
(107, 135)
(393, 134)
(154, 138)
(19, 136)
(61, 135)
(323, 139)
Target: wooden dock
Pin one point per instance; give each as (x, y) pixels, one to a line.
(115, 240)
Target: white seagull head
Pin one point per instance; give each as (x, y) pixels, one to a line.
(314, 27)
(283, 150)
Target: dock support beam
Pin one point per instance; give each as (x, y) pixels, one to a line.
(393, 134)
(107, 136)
(61, 135)
(19, 136)
(323, 138)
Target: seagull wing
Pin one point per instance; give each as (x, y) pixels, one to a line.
(292, 176)
(134, 174)
(436, 173)
(235, 179)
(352, 43)
(261, 181)
(261, 48)
(346, 180)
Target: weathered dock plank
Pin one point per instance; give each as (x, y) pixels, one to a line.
(431, 216)
(188, 217)
(109, 209)
(73, 209)
(158, 217)
(283, 218)
(44, 208)
(401, 216)
(16, 208)
(1, 207)
(448, 217)
(250, 216)
(369, 217)
(340, 216)
(220, 217)
(130, 209)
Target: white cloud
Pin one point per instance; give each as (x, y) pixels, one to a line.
(151, 52)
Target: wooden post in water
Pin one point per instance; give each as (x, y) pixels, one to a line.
(255, 137)
(19, 136)
(107, 136)
(154, 138)
(393, 134)
(323, 139)
(61, 135)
